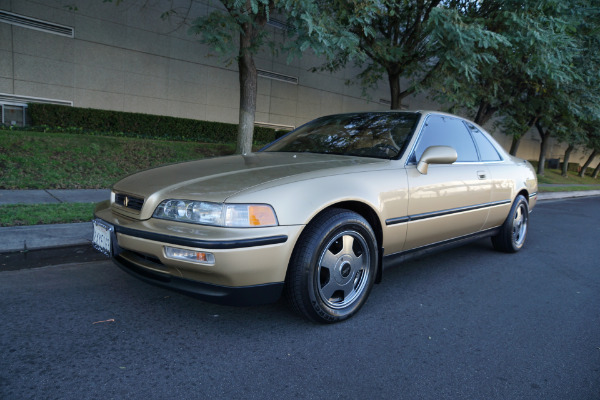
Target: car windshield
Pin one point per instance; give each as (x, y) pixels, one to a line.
(370, 134)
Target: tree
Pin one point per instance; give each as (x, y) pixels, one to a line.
(573, 136)
(565, 165)
(574, 110)
(415, 40)
(587, 163)
(593, 142)
(589, 65)
(237, 31)
(596, 171)
(532, 64)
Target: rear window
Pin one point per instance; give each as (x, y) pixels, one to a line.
(487, 151)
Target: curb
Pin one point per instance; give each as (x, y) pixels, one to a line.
(567, 195)
(33, 237)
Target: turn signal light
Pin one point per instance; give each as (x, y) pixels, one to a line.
(199, 257)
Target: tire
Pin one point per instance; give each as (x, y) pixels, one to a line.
(333, 267)
(513, 232)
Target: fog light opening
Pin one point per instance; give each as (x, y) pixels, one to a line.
(199, 257)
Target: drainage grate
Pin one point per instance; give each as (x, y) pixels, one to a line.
(37, 24)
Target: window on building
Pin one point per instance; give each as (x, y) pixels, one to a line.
(13, 114)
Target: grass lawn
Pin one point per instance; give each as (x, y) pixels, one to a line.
(553, 176)
(37, 160)
(39, 214)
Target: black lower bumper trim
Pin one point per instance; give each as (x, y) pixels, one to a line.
(225, 295)
(204, 244)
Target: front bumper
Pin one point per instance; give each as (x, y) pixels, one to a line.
(226, 295)
(249, 268)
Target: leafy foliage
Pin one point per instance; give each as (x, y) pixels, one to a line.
(417, 41)
(117, 123)
(221, 29)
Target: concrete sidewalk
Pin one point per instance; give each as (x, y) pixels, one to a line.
(21, 238)
(53, 196)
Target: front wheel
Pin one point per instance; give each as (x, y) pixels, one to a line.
(333, 267)
(513, 232)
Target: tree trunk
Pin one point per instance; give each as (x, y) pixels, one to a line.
(394, 80)
(545, 137)
(514, 146)
(516, 141)
(595, 174)
(587, 163)
(248, 92)
(565, 166)
(484, 113)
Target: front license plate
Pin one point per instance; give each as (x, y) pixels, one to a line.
(102, 235)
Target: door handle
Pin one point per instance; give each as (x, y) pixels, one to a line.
(481, 175)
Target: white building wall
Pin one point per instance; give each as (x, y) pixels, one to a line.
(126, 58)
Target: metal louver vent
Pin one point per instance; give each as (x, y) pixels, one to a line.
(278, 77)
(37, 24)
(13, 98)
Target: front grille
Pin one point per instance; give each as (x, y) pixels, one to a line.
(127, 201)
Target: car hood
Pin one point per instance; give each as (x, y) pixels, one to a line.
(219, 178)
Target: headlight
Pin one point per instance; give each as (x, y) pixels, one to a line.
(217, 214)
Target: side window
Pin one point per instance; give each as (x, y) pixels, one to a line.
(487, 151)
(446, 131)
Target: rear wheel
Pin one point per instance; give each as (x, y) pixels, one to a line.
(333, 267)
(513, 232)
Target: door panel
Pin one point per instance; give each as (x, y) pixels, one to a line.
(449, 201)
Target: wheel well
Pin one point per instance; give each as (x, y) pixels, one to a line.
(366, 212)
(525, 194)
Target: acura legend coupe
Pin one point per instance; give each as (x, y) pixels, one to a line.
(319, 213)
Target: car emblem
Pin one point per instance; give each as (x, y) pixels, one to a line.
(126, 201)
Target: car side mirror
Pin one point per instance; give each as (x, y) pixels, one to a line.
(436, 155)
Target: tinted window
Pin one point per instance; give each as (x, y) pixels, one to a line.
(487, 151)
(446, 131)
(374, 134)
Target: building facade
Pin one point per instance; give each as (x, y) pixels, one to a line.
(125, 57)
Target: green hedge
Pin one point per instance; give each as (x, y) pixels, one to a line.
(119, 123)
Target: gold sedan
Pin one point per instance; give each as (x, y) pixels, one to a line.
(319, 213)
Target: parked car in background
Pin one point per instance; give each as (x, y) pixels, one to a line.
(319, 213)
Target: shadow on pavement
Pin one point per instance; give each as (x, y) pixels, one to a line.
(50, 256)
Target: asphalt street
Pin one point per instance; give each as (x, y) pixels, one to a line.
(469, 323)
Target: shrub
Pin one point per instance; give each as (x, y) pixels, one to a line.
(117, 123)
